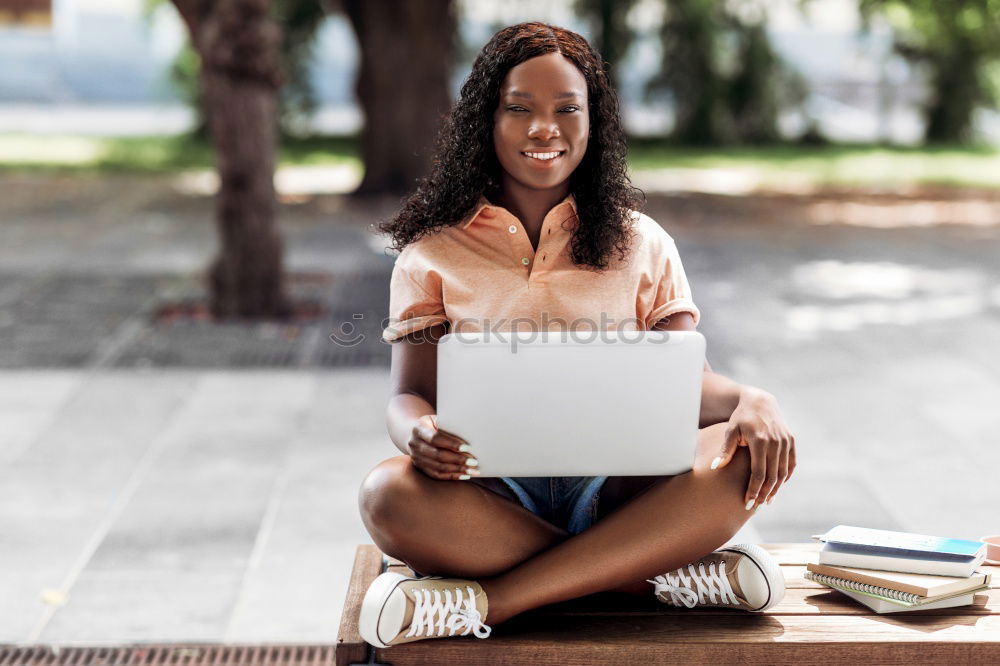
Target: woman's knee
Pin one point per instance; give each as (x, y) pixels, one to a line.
(710, 442)
(739, 465)
(386, 491)
(735, 475)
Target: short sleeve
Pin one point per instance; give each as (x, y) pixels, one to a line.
(671, 292)
(415, 300)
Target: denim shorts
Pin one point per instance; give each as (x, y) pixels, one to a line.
(569, 502)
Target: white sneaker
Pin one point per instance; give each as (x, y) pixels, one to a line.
(743, 576)
(400, 609)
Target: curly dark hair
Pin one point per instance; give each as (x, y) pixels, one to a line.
(465, 164)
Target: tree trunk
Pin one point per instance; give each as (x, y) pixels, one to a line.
(407, 51)
(240, 76)
(690, 35)
(956, 91)
(612, 35)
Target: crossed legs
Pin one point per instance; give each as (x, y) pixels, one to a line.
(522, 561)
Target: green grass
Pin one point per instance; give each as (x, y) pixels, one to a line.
(818, 165)
(833, 164)
(157, 154)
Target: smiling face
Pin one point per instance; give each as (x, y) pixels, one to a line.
(541, 123)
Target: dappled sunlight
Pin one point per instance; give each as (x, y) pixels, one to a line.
(906, 213)
(26, 149)
(883, 293)
(726, 181)
(290, 182)
(326, 179)
(803, 321)
(882, 279)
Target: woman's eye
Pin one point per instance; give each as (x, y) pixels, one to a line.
(521, 108)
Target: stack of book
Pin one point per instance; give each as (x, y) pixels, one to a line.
(897, 571)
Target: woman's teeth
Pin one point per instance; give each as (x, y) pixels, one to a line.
(543, 156)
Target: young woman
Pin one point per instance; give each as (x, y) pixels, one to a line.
(528, 213)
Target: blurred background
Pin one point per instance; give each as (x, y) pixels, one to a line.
(192, 384)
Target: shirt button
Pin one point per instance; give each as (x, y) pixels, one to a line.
(512, 229)
(525, 261)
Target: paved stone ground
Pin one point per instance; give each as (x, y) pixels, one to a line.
(193, 496)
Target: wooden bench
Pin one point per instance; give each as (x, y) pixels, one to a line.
(811, 624)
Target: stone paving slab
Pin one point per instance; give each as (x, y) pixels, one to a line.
(301, 558)
(195, 510)
(29, 404)
(60, 491)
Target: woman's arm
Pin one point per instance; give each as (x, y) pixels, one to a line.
(410, 415)
(754, 420)
(413, 383)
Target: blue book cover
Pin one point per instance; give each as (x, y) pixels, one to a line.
(862, 540)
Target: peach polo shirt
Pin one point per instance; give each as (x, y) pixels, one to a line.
(483, 274)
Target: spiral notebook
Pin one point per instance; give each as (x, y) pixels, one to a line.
(923, 585)
(881, 606)
(885, 594)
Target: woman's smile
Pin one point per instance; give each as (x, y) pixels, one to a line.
(543, 160)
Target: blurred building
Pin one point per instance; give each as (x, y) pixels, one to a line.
(102, 66)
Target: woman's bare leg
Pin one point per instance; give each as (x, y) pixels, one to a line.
(464, 530)
(673, 523)
(452, 528)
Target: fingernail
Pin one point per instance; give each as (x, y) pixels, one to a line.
(464, 477)
(770, 499)
(464, 448)
(716, 462)
(474, 472)
(750, 503)
(471, 462)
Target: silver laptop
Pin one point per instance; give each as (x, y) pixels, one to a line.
(564, 403)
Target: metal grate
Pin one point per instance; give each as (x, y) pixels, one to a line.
(107, 321)
(62, 320)
(188, 655)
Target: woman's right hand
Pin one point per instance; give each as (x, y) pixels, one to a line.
(440, 454)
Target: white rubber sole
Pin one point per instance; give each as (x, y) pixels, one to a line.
(769, 566)
(375, 621)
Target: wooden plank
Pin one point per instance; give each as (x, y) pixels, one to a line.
(367, 566)
(811, 622)
(738, 637)
(581, 653)
(798, 554)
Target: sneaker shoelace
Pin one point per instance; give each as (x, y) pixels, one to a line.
(690, 589)
(434, 615)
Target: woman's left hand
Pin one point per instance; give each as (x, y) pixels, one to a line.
(757, 423)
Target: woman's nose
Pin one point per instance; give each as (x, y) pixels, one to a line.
(543, 131)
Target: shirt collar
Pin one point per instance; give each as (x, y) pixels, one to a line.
(484, 209)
